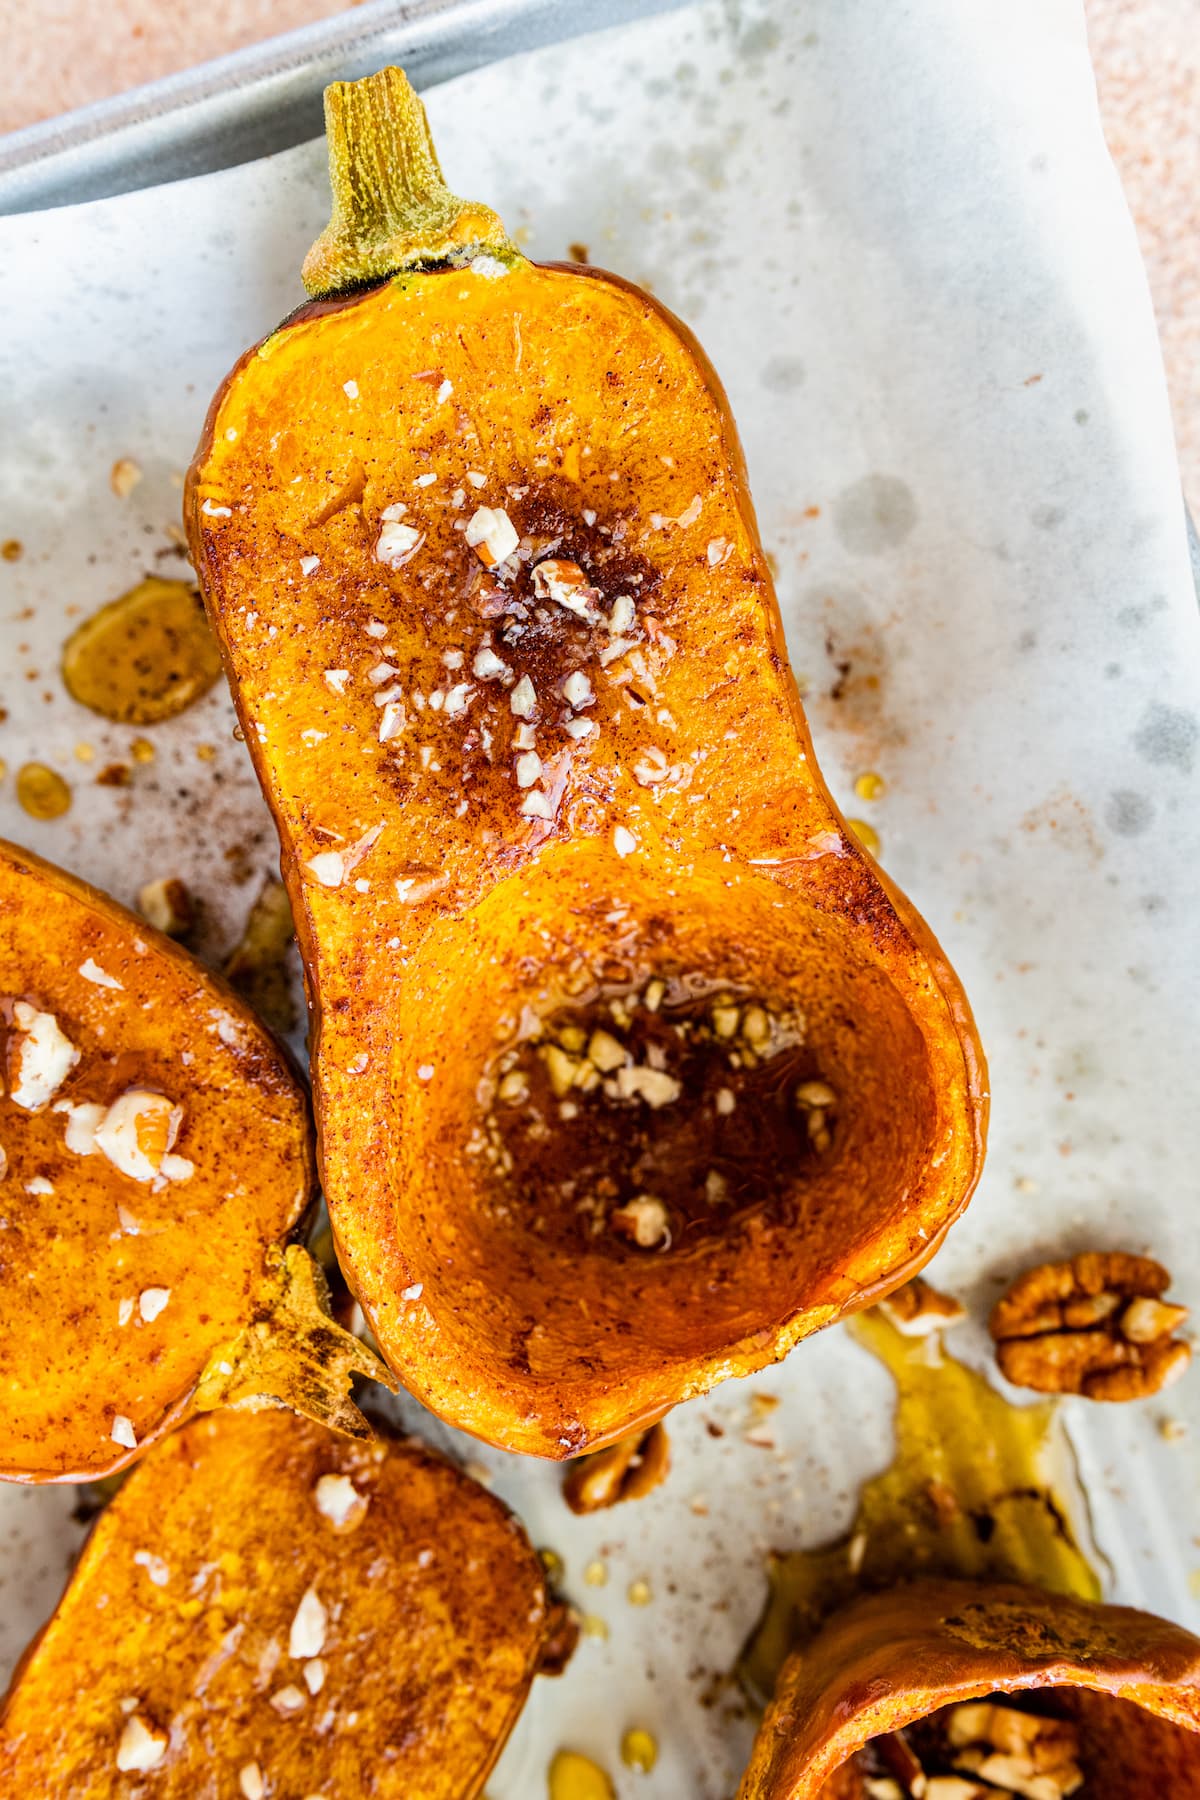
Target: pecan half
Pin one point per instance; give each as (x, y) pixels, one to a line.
(1096, 1326)
(624, 1471)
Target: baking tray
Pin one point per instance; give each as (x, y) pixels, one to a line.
(267, 96)
(1048, 522)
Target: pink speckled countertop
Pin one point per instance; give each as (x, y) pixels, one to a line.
(1147, 56)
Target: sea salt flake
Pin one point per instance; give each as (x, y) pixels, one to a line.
(91, 971)
(155, 1567)
(307, 1635)
(122, 1432)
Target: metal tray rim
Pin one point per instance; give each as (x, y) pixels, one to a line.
(266, 97)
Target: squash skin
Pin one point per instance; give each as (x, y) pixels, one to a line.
(759, 881)
(69, 1365)
(1131, 1681)
(437, 1618)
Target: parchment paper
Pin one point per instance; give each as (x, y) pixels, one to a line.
(898, 235)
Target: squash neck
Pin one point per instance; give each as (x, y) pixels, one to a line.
(392, 210)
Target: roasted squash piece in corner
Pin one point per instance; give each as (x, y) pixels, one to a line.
(266, 1609)
(156, 1158)
(1079, 1696)
(632, 1068)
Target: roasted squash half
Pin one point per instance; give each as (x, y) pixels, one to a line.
(266, 1609)
(1127, 1684)
(477, 543)
(156, 1157)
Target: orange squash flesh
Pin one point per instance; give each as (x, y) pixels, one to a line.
(405, 1680)
(87, 1251)
(689, 836)
(1129, 1681)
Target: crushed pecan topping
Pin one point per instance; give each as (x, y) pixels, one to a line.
(624, 1471)
(1096, 1326)
(917, 1309)
(974, 1750)
(1017, 1752)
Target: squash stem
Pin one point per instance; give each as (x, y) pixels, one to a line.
(392, 209)
(293, 1353)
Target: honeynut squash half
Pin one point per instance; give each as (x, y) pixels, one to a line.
(631, 1069)
(266, 1609)
(1117, 1691)
(156, 1162)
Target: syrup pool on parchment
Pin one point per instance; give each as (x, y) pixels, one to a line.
(978, 1489)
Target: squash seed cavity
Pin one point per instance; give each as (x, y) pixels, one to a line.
(640, 1119)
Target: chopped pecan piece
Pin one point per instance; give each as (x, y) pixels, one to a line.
(562, 1639)
(168, 905)
(1096, 1326)
(624, 1471)
(917, 1309)
(257, 965)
